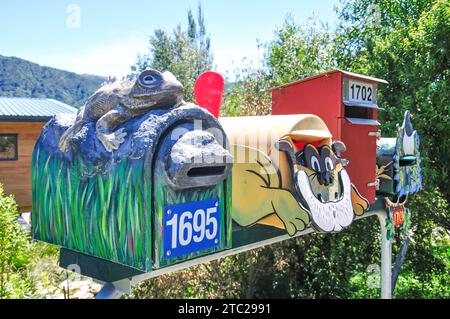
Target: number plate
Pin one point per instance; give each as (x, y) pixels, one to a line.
(399, 216)
(360, 93)
(191, 227)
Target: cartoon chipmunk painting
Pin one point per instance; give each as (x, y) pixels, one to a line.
(300, 181)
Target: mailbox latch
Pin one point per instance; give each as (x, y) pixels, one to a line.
(377, 134)
(375, 184)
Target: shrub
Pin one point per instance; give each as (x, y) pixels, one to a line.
(13, 251)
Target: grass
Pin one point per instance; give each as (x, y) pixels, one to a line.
(104, 215)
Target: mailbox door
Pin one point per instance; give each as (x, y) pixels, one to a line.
(360, 140)
(187, 222)
(386, 152)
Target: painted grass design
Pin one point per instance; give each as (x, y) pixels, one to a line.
(107, 216)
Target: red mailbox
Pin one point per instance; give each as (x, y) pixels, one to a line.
(347, 102)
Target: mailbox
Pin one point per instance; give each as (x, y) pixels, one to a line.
(141, 181)
(152, 192)
(398, 162)
(288, 175)
(347, 102)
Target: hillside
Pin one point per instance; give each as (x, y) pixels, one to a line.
(22, 78)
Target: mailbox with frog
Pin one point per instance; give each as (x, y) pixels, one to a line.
(347, 102)
(398, 162)
(133, 179)
(141, 183)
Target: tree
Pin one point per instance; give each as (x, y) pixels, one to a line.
(299, 51)
(411, 52)
(405, 42)
(186, 53)
(294, 53)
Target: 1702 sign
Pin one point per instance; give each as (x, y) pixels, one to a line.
(191, 227)
(356, 92)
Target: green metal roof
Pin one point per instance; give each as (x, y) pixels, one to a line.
(31, 109)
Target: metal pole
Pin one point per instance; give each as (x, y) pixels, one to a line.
(114, 290)
(386, 259)
(118, 288)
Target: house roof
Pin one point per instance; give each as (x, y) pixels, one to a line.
(31, 109)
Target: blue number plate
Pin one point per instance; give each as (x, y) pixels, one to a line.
(191, 227)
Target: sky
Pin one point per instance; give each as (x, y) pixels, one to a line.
(105, 37)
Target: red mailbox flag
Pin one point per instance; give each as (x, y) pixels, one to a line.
(208, 91)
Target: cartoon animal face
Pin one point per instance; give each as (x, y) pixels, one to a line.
(322, 167)
(323, 185)
(321, 161)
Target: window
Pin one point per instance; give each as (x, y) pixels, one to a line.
(8, 147)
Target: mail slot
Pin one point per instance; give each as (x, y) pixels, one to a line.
(152, 192)
(347, 102)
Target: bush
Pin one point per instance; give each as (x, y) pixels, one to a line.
(13, 252)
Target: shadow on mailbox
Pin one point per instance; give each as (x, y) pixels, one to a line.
(138, 178)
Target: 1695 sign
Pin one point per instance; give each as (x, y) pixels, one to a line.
(191, 227)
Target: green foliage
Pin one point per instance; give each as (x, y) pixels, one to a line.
(249, 95)
(414, 59)
(13, 251)
(21, 78)
(410, 49)
(363, 23)
(211, 280)
(296, 52)
(299, 51)
(27, 269)
(360, 289)
(186, 53)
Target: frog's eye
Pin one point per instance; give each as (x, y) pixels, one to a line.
(148, 78)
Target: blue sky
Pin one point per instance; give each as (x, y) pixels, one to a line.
(111, 33)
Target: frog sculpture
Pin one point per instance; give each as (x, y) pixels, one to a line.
(118, 101)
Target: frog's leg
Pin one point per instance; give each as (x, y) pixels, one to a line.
(105, 126)
(71, 131)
